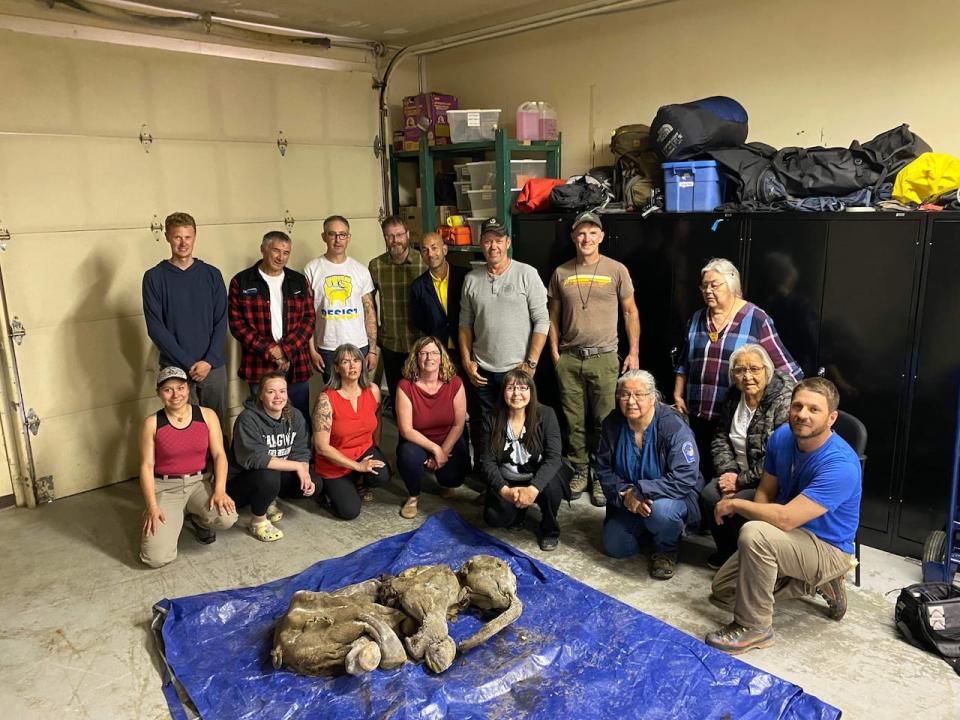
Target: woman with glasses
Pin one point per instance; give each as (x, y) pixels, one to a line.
(345, 432)
(649, 471)
(727, 322)
(431, 406)
(522, 461)
(757, 403)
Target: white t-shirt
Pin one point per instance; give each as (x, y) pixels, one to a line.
(275, 283)
(738, 432)
(338, 290)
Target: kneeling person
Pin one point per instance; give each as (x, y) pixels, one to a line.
(649, 470)
(174, 445)
(802, 523)
(522, 461)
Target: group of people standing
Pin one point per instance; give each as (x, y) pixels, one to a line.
(457, 344)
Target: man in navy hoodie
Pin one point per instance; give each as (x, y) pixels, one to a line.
(185, 306)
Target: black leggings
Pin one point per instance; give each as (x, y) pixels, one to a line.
(259, 488)
(497, 512)
(342, 493)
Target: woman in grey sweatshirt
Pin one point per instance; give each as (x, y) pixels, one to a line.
(269, 456)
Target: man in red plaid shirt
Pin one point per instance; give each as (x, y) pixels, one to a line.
(272, 317)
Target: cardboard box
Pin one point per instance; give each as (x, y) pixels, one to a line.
(413, 219)
(432, 108)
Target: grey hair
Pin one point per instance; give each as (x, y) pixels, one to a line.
(727, 270)
(751, 349)
(335, 382)
(277, 235)
(641, 376)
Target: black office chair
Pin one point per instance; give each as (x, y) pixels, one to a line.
(855, 433)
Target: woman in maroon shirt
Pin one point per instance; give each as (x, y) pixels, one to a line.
(174, 445)
(431, 406)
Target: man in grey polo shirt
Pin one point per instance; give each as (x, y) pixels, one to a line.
(585, 295)
(503, 317)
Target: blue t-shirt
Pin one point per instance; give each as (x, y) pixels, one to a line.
(830, 476)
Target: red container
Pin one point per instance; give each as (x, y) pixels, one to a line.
(456, 235)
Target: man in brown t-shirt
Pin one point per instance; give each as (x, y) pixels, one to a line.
(583, 297)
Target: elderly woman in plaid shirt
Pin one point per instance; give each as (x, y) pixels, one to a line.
(714, 332)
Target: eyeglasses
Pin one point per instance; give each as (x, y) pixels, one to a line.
(429, 353)
(713, 286)
(740, 371)
(338, 235)
(638, 396)
(516, 388)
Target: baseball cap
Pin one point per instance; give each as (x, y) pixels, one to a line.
(170, 373)
(493, 225)
(587, 217)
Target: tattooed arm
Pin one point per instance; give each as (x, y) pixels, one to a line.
(370, 322)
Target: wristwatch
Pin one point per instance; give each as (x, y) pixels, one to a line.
(532, 364)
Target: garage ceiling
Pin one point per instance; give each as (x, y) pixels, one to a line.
(393, 23)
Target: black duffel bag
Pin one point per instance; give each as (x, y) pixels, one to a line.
(581, 193)
(684, 130)
(820, 171)
(928, 616)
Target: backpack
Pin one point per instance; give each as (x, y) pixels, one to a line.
(637, 170)
(535, 195)
(683, 131)
(928, 616)
(579, 193)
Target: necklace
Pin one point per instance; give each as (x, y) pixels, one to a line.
(583, 302)
(714, 334)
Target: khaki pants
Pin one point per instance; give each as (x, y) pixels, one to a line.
(174, 496)
(587, 388)
(770, 565)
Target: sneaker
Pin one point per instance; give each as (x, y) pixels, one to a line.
(835, 593)
(717, 560)
(274, 514)
(548, 542)
(204, 536)
(662, 565)
(597, 498)
(734, 639)
(579, 481)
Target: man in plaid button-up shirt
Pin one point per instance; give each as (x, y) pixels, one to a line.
(393, 273)
(272, 317)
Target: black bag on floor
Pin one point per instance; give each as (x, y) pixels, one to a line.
(682, 131)
(928, 616)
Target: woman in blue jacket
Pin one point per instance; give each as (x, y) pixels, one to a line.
(648, 466)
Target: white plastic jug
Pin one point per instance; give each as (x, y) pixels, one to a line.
(536, 120)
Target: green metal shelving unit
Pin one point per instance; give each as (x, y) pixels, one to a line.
(503, 149)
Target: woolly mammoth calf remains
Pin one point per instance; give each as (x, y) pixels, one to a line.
(360, 627)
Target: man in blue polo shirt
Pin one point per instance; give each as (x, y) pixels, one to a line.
(803, 521)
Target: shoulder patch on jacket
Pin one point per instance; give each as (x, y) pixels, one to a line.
(688, 451)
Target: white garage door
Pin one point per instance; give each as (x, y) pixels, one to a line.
(78, 193)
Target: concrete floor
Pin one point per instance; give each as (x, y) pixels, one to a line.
(75, 638)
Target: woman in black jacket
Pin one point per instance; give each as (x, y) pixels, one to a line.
(522, 462)
(757, 403)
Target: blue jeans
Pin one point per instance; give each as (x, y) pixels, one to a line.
(327, 356)
(410, 459)
(489, 394)
(623, 531)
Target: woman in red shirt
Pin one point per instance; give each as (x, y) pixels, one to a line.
(431, 407)
(345, 430)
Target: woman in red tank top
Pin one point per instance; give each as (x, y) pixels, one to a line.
(431, 408)
(174, 445)
(345, 434)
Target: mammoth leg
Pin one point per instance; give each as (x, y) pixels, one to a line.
(432, 631)
(391, 649)
(364, 656)
(494, 626)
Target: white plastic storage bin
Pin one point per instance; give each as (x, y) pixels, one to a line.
(463, 203)
(472, 125)
(483, 174)
(461, 171)
(483, 203)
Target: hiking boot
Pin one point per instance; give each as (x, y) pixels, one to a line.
(734, 638)
(835, 593)
(717, 560)
(597, 498)
(662, 565)
(204, 536)
(579, 481)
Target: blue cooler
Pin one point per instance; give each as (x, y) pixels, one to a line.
(691, 186)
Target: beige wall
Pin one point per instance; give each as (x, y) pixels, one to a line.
(808, 73)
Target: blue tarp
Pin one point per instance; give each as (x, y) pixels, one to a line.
(574, 653)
